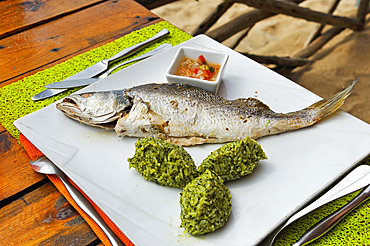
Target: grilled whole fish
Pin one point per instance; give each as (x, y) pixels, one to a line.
(187, 115)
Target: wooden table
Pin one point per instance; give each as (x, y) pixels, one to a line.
(35, 35)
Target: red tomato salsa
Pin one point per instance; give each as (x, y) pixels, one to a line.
(199, 68)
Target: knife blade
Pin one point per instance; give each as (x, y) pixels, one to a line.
(324, 225)
(357, 179)
(101, 66)
(71, 83)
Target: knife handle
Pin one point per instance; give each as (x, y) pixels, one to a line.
(330, 221)
(128, 51)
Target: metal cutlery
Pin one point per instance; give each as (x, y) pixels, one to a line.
(355, 180)
(101, 66)
(323, 226)
(45, 166)
(82, 82)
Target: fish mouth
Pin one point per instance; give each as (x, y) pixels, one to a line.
(74, 109)
(70, 108)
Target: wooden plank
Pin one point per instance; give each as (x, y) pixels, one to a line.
(34, 48)
(23, 75)
(15, 171)
(43, 217)
(19, 15)
(304, 13)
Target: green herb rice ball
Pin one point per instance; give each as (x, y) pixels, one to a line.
(234, 160)
(205, 204)
(162, 162)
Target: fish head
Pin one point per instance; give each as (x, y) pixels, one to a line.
(97, 108)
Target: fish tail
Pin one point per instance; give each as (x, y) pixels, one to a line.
(328, 107)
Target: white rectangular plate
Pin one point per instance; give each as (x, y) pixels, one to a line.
(301, 163)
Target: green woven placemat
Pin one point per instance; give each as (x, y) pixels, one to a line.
(15, 102)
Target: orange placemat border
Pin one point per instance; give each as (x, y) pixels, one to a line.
(35, 154)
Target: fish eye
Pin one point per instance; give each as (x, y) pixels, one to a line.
(86, 95)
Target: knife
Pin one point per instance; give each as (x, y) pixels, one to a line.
(71, 83)
(101, 66)
(357, 179)
(323, 226)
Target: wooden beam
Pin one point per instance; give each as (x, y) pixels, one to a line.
(242, 35)
(362, 11)
(294, 10)
(238, 24)
(313, 48)
(318, 29)
(213, 17)
(246, 20)
(281, 61)
(152, 4)
(319, 42)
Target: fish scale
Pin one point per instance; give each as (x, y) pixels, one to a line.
(187, 115)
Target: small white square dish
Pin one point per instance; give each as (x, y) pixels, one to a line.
(195, 69)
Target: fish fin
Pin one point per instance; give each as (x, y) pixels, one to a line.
(250, 102)
(330, 106)
(141, 121)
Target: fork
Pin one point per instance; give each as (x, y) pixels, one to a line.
(82, 82)
(45, 166)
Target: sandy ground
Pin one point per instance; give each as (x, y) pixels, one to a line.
(344, 58)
